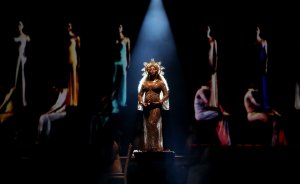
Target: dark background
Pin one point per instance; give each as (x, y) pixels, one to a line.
(234, 26)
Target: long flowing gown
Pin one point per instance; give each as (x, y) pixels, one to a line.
(150, 90)
(213, 101)
(73, 83)
(22, 39)
(262, 59)
(222, 127)
(120, 78)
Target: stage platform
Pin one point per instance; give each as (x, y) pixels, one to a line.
(201, 165)
(217, 164)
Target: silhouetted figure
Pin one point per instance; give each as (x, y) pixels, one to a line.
(22, 39)
(122, 63)
(74, 64)
(269, 128)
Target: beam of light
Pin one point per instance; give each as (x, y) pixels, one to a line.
(155, 40)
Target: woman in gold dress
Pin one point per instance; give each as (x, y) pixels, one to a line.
(153, 95)
(73, 59)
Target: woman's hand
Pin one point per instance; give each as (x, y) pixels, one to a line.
(144, 104)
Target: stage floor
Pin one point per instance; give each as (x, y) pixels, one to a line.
(204, 164)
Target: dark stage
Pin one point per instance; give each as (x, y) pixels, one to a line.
(80, 145)
(205, 164)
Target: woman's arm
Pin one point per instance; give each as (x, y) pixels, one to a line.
(165, 93)
(211, 53)
(140, 96)
(78, 51)
(215, 61)
(60, 102)
(17, 39)
(78, 41)
(252, 99)
(27, 38)
(202, 94)
(128, 53)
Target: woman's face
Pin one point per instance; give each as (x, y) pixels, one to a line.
(152, 70)
(257, 30)
(121, 28)
(69, 27)
(20, 25)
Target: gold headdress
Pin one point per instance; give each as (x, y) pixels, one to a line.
(154, 63)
